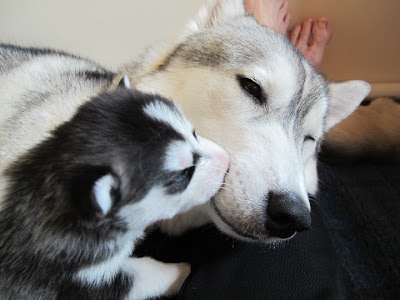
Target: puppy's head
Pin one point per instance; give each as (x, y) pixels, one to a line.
(131, 157)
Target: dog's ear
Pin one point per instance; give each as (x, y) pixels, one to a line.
(214, 12)
(125, 82)
(344, 98)
(94, 190)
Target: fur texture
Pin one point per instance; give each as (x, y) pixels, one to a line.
(82, 176)
(246, 87)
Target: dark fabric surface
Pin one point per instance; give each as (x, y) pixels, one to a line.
(302, 268)
(361, 206)
(354, 242)
(223, 268)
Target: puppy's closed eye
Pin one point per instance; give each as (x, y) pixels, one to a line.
(179, 180)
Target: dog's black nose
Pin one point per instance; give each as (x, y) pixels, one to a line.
(286, 214)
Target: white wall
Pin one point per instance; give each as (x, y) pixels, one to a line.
(365, 44)
(110, 32)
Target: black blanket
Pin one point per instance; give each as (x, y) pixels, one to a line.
(352, 250)
(361, 207)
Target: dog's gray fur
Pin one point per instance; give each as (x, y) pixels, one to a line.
(247, 88)
(83, 174)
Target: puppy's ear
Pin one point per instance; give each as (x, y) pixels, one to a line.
(125, 82)
(102, 194)
(214, 12)
(94, 190)
(344, 98)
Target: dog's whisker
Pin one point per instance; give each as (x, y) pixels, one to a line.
(226, 189)
(219, 169)
(222, 184)
(227, 197)
(227, 184)
(224, 204)
(218, 183)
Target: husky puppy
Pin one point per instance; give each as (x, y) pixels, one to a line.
(247, 88)
(82, 176)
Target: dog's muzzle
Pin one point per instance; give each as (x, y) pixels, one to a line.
(286, 215)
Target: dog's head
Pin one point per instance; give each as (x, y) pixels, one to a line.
(247, 88)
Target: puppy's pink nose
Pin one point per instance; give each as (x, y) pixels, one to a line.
(222, 158)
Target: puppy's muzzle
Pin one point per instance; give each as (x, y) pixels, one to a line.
(286, 215)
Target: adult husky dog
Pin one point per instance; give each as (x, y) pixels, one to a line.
(247, 88)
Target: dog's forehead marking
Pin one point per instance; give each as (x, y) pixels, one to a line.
(311, 96)
(240, 42)
(256, 52)
(163, 112)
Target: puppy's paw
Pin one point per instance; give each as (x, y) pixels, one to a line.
(154, 278)
(181, 272)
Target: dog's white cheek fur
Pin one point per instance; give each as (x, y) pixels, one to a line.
(312, 126)
(273, 172)
(192, 98)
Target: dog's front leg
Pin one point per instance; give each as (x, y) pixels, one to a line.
(152, 278)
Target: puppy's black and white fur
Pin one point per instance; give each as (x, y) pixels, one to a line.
(74, 202)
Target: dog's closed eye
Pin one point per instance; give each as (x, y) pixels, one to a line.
(309, 138)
